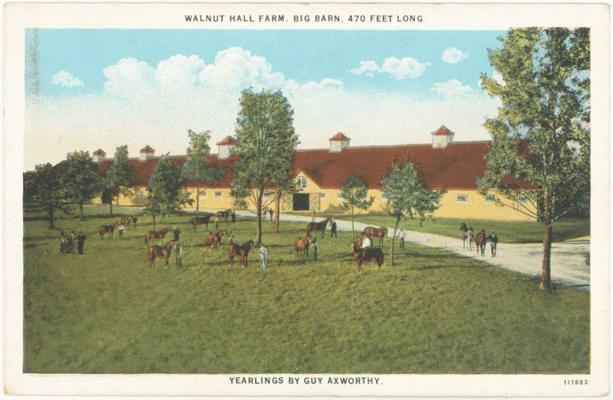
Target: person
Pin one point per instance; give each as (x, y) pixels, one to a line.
(230, 238)
(122, 230)
(366, 244)
(402, 237)
(179, 254)
(176, 233)
(62, 242)
(271, 214)
(333, 229)
(81, 242)
(314, 246)
(263, 257)
(493, 240)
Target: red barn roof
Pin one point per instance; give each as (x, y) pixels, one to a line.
(228, 140)
(340, 137)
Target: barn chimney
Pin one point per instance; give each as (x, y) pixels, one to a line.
(338, 143)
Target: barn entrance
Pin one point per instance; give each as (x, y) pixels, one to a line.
(301, 202)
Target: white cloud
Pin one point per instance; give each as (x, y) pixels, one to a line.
(452, 88)
(66, 79)
(497, 76)
(452, 55)
(155, 105)
(399, 68)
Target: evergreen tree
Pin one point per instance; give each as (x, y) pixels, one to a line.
(407, 197)
(43, 188)
(354, 194)
(195, 169)
(266, 143)
(165, 190)
(119, 178)
(81, 179)
(540, 155)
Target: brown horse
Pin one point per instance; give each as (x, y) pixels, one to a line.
(107, 230)
(127, 221)
(214, 239)
(66, 243)
(224, 216)
(156, 251)
(468, 235)
(366, 255)
(317, 227)
(302, 245)
(156, 235)
(376, 233)
(234, 250)
(202, 220)
(480, 240)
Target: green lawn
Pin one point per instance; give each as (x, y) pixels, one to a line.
(507, 231)
(434, 312)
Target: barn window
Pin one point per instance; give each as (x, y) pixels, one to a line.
(522, 199)
(490, 198)
(217, 194)
(462, 198)
(302, 182)
(203, 193)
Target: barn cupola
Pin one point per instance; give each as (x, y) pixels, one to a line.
(146, 153)
(338, 143)
(99, 155)
(441, 137)
(226, 147)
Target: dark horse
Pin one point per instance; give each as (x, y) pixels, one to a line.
(480, 241)
(375, 233)
(156, 235)
(366, 255)
(106, 230)
(156, 251)
(302, 245)
(317, 227)
(234, 250)
(202, 220)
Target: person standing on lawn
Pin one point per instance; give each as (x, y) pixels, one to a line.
(333, 229)
(81, 242)
(403, 235)
(263, 257)
(122, 231)
(179, 254)
(176, 234)
(314, 246)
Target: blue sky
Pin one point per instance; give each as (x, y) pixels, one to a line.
(104, 88)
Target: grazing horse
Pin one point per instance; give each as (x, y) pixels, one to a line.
(302, 245)
(376, 233)
(159, 252)
(467, 235)
(156, 235)
(366, 255)
(107, 230)
(234, 250)
(214, 239)
(317, 227)
(202, 220)
(480, 240)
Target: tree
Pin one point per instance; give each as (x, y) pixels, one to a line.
(285, 185)
(407, 196)
(119, 178)
(266, 143)
(540, 153)
(354, 194)
(43, 188)
(197, 157)
(165, 190)
(81, 179)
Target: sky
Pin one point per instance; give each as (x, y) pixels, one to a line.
(87, 89)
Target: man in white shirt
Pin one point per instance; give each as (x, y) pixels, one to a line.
(366, 244)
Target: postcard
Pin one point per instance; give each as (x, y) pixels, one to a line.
(307, 199)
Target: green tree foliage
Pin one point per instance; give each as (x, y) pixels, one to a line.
(81, 179)
(166, 190)
(43, 188)
(354, 194)
(119, 178)
(541, 136)
(407, 197)
(195, 169)
(266, 143)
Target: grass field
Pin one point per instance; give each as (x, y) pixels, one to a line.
(434, 312)
(507, 231)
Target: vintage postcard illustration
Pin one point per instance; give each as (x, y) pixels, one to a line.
(307, 199)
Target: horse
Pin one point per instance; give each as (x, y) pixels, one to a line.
(480, 242)
(317, 227)
(201, 220)
(66, 243)
(224, 216)
(467, 235)
(156, 235)
(302, 245)
(127, 221)
(107, 230)
(375, 233)
(159, 251)
(235, 250)
(214, 239)
(366, 255)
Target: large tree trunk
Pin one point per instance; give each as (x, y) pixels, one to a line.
(259, 215)
(81, 211)
(111, 207)
(50, 217)
(352, 228)
(198, 198)
(546, 269)
(394, 237)
(277, 211)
